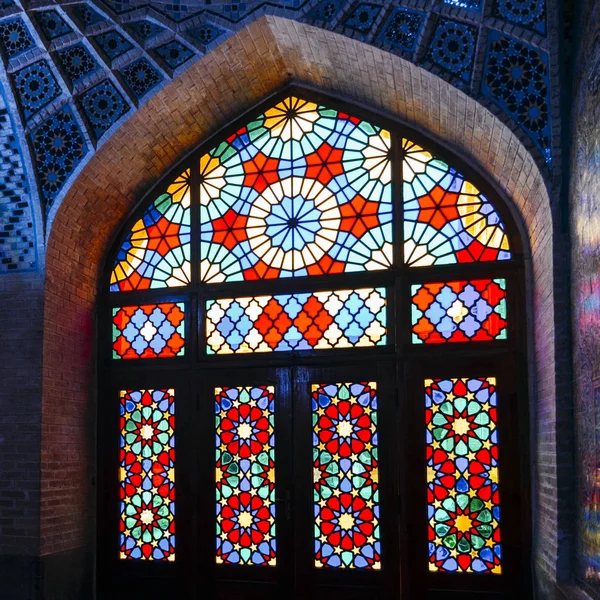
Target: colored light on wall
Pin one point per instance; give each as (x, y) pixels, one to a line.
(245, 475)
(147, 475)
(462, 475)
(319, 320)
(447, 220)
(156, 252)
(301, 190)
(459, 311)
(149, 330)
(346, 476)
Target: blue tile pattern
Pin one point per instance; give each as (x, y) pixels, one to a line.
(35, 87)
(325, 11)
(452, 48)
(145, 30)
(77, 62)
(140, 76)
(52, 24)
(113, 44)
(468, 4)
(530, 14)
(17, 231)
(58, 147)
(204, 34)
(402, 29)
(174, 53)
(87, 16)
(103, 105)
(14, 38)
(362, 18)
(516, 78)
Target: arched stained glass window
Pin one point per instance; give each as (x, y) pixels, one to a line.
(313, 333)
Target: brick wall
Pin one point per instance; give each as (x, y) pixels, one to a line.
(229, 80)
(21, 323)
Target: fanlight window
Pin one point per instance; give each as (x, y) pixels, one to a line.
(329, 246)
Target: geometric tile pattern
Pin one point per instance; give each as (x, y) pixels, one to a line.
(402, 29)
(318, 320)
(530, 14)
(17, 233)
(86, 15)
(58, 147)
(462, 475)
(14, 38)
(459, 311)
(446, 219)
(362, 18)
(174, 53)
(35, 87)
(149, 331)
(51, 24)
(77, 62)
(147, 475)
(452, 48)
(516, 78)
(113, 44)
(145, 30)
(141, 76)
(245, 476)
(346, 476)
(103, 105)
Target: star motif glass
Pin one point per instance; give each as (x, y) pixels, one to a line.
(301, 190)
(459, 311)
(156, 252)
(346, 476)
(462, 475)
(319, 320)
(245, 475)
(147, 475)
(149, 330)
(447, 220)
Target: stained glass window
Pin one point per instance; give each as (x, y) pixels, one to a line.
(147, 475)
(459, 311)
(319, 320)
(346, 475)
(462, 475)
(447, 220)
(301, 190)
(149, 330)
(156, 252)
(245, 475)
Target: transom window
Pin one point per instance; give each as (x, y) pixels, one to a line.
(312, 370)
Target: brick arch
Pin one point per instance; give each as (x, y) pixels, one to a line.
(236, 75)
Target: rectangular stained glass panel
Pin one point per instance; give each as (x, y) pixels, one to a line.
(149, 330)
(147, 474)
(245, 475)
(318, 320)
(346, 476)
(462, 475)
(459, 311)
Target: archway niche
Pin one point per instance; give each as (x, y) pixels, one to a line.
(245, 69)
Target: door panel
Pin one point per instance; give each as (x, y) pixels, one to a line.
(345, 529)
(244, 516)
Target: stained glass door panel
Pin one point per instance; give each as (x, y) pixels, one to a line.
(345, 522)
(245, 512)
